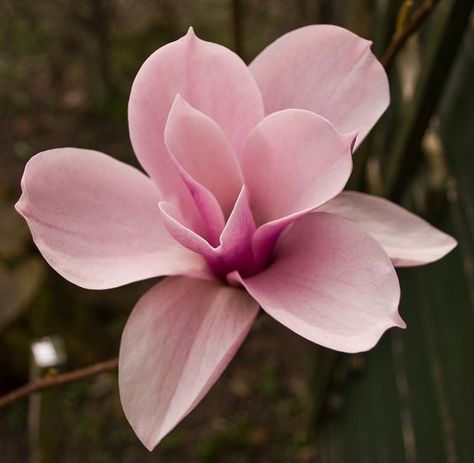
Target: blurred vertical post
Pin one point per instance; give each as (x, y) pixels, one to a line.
(237, 26)
(48, 356)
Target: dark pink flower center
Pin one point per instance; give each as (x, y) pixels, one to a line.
(238, 247)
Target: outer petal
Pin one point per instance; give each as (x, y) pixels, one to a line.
(96, 220)
(293, 161)
(202, 150)
(327, 70)
(211, 78)
(179, 338)
(406, 238)
(331, 283)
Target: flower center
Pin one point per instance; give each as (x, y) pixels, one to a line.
(239, 257)
(239, 247)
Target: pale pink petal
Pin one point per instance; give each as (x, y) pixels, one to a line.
(211, 78)
(202, 150)
(406, 238)
(331, 283)
(96, 220)
(178, 340)
(294, 161)
(328, 70)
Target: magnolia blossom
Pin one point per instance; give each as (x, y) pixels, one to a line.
(242, 208)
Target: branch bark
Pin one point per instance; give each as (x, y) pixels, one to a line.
(439, 54)
(399, 38)
(58, 380)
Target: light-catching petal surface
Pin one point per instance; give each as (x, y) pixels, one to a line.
(96, 220)
(328, 70)
(209, 77)
(331, 283)
(406, 238)
(294, 160)
(179, 338)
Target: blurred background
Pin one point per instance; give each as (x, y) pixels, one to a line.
(66, 67)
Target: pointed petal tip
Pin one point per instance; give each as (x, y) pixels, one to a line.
(20, 205)
(150, 444)
(399, 322)
(178, 102)
(371, 342)
(150, 448)
(451, 244)
(190, 34)
(351, 139)
(447, 246)
(150, 440)
(443, 250)
(368, 42)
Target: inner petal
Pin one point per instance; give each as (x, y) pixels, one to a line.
(210, 210)
(200, 148)
(235, 250)
(236, 239)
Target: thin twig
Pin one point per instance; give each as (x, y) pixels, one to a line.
(399, 38)
(439, 56)
(58, 380)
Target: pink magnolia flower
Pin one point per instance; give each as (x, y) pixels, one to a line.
(242, 206)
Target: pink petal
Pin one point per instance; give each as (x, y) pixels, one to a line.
(331, 283)
(406, 238)
(327, 70)
(178, 340)
(202, 150)
(96, 220)
(211, 78)
(294, 161)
